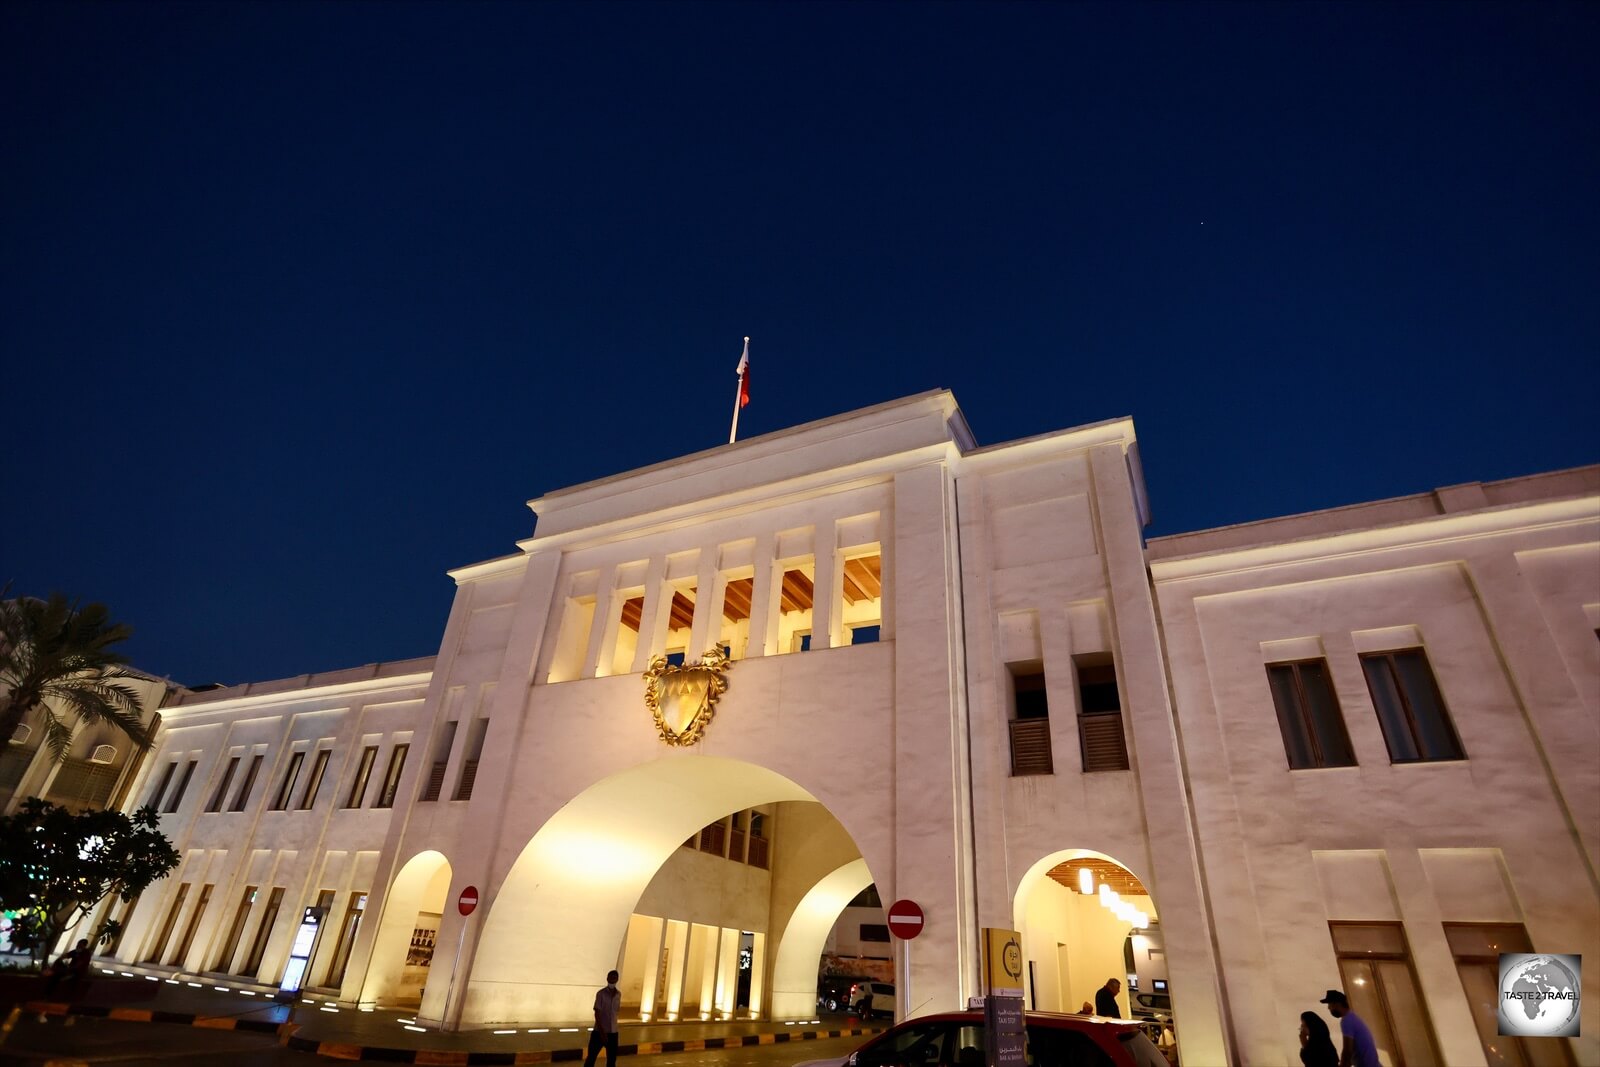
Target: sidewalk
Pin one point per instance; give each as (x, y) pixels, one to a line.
(341, 1032)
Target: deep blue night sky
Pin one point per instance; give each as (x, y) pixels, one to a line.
(299, 303)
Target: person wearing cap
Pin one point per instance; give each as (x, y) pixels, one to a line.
(1360, 1050)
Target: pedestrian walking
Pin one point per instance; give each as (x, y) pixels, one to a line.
(1316, 1047)
(1359, 1050)
(604, 1034)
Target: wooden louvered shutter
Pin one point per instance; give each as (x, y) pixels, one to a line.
(1030, 746)
(1104, 748)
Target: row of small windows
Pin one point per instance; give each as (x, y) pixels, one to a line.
(228, 959)
(300, 786)
(1100, 734)
(852, 613)
(302, 793)
(1411, 712)
(743, 837)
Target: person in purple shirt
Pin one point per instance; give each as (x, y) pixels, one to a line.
(1360, 1050)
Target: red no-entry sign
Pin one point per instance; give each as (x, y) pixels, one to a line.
(905, 919)
(468, 900)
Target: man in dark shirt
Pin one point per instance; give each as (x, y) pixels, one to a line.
(1105, 999)
(604, 1035)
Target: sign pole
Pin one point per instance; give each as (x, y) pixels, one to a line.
(449, 1023)
(466, 903)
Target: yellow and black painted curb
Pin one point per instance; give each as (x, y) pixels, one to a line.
(340, 1051)
(343, 1050)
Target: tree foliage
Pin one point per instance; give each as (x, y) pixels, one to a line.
(57, 657)
(56, 867)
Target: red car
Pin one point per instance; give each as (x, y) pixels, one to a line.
(956, 1039)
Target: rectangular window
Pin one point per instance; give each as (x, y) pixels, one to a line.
(222, 786)
(472, 753)
(391, 777)
(258, 947)
(183, 787)
(1476, 948)
(714, 839)
(1105, 748)
(861, 601)
(441, 760)
(159, 949)
(1375, 965)
(1412, 713)
(161, 788)
(874, 932)
(733, 630)
(194, 924)
(759, 847)
(680, 623)
(1030, 721)
(243, 797)
(630, 617)
(736, 838)
(121, 927)
(795, 594)
(240, 916)
(1308, 715)
(314, 782)
(358, 788)
(576, 621)
(286, 789)
(347, 940)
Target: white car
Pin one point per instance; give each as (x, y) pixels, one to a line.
(872, 998)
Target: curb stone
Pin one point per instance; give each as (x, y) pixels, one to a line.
(287, 1035)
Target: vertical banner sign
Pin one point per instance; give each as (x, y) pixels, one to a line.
(1002, 1002)
(305, 944)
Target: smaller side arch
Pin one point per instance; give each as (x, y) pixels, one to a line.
(794, 972)
(421, 886)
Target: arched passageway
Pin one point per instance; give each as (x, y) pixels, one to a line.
(571, 900)
(1086, 918)
(402, 953)
(794, 973)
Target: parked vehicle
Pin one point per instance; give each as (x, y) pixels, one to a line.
(833, 991)
(871, 998)
(956, 1039)
(1156, 1006)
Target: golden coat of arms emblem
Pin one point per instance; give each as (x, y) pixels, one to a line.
(683, 699)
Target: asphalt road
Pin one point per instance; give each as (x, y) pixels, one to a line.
(150, 1044)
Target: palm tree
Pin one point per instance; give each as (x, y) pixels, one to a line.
(56, 657)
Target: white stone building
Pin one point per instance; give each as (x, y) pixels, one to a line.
(960, 674)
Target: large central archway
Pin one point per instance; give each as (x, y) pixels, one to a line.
(556, 921)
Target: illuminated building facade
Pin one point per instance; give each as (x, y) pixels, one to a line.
(959, 674)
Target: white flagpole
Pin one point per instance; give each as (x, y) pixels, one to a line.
(738, 391)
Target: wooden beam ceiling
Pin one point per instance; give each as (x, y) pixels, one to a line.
(632, 610)
(1118, 877)
(682, 610)
(796, 591)
(736, 601)
(863, 578)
